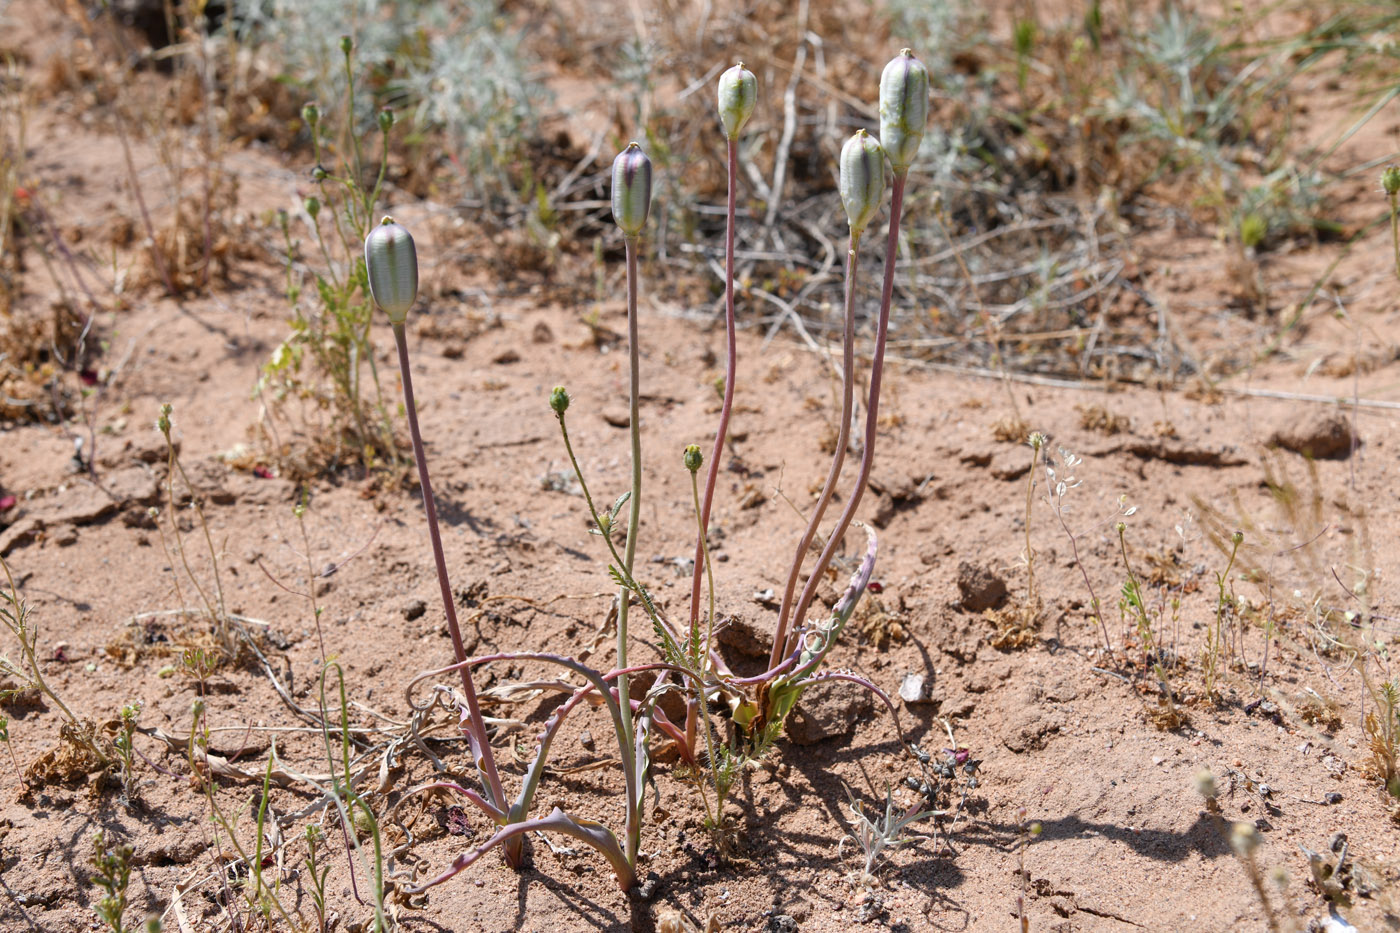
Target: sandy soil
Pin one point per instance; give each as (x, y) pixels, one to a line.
(1068, 736)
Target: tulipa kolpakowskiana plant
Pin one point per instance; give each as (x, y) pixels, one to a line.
(903, 116)
(391, 263)
(631, 203)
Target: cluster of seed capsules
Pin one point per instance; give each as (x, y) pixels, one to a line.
(392, 261)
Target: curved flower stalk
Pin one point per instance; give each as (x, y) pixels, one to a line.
(862, 183)
(391, 262)
(631, 203)
(738, 94)
(903, 113)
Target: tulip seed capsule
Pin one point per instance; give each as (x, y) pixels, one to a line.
(631, 189)
(392, 264)
(903, 108)
(862, 180)
(738, 93)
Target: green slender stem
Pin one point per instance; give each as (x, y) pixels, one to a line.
(838, 460)
(709, 570)
(486, 764)
(695, 703)
(1395, 229)
(634, 515)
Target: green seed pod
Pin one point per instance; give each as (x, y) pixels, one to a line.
(311, 115)
(559, 400)
(631, 189)
(1390, 180)
(346, 44)
(738, 93)
(386, 120)
(392, 263)
(693, 459)
(313, 206)
(903, 108)
(862, 181)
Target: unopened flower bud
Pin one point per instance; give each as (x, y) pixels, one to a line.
(392, 263)
(559, 400)
(631, 189)
(903, 108)
(693, 458)
(862, 181)
(319, 174)
(311, 115)
(1237, 538)
(313, 206)
(386, 120)
(346, 44)
(1390, 180)
(738, 93)
(163, 421)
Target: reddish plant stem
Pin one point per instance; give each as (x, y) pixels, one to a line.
(478, 726)
(872, 409)
(712, 474)
(843, 437)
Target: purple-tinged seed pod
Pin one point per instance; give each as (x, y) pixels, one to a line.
(862, 180)
(903, 108)
(392, 263)
(631, 189)
(738, 93)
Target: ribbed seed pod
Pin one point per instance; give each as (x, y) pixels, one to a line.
(738, 93)
(903, 108)
(392, 263)
(692, 458)
(862, 181)
(631, 189)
